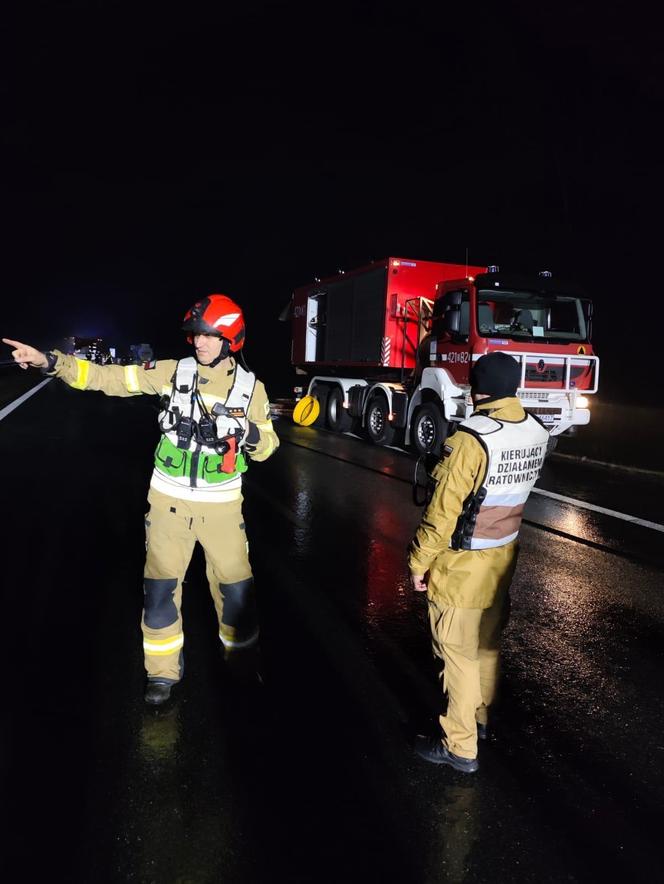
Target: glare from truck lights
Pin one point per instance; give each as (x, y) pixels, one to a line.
(396, 263)
(471, 279)
(582, 402)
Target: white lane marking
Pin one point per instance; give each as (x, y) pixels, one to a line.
(21, 399)
(644, 523)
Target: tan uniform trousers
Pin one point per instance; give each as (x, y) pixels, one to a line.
(173, 527)
(467, 640)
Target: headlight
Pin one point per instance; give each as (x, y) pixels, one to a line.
(582, 402)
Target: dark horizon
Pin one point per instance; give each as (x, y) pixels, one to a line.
(152, 159)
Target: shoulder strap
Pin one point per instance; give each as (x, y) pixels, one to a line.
(186, 372)
(243, 386)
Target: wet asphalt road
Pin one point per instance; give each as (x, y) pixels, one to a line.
(310, 777)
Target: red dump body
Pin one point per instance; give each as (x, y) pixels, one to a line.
(370, 317)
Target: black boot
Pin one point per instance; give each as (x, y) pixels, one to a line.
(431, 749)
(157, 692)
(243, 667)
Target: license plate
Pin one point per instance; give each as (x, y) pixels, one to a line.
(546, 415)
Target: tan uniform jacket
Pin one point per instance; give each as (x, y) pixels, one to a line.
(133, 380)
(460, 578)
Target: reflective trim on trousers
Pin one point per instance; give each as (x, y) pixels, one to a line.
(162, 647)
(234, 643)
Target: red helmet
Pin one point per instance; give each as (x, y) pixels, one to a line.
(216, 315)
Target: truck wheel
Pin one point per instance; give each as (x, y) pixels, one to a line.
(429, 429)
(379, 428)
(338, 418)
(321, 392)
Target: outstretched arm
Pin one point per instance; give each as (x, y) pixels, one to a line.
(25, 355)
(114, 380)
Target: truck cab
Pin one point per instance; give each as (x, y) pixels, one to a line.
(544, 324)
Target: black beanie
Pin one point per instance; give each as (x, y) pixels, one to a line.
(496, 375)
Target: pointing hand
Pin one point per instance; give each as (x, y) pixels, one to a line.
(25, 355)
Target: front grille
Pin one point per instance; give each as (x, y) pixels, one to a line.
(548, 375)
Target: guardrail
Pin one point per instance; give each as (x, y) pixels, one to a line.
(569, 361)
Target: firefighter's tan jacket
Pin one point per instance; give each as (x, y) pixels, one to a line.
(461, 578)
(156, 378)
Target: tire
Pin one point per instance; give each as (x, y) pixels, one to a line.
(378, 427)
(429, 429)
(321, 392)
(338, 419)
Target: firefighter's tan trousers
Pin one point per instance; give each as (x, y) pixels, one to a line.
(172, 529)
(467, 640)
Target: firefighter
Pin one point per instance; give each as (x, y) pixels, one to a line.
(214, 416)
(465, 549)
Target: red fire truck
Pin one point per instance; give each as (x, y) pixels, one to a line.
(389, 347)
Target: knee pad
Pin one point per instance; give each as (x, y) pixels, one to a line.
(239, 608)
(160, 610)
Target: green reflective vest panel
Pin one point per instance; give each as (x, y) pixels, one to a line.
(178, 462)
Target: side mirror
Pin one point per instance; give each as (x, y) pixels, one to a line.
(588, 314)
(452, 321)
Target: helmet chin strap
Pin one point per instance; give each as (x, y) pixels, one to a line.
(223, 354)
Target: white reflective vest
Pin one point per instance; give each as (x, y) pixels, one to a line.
(180, 404)
(183, 403)
(515, 454)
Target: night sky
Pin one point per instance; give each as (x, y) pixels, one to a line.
(153, 153)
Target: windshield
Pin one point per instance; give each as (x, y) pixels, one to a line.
(531, 316)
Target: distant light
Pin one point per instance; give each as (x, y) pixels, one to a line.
(340, 272)
(493, 268)
(546, 274)
(582, 402)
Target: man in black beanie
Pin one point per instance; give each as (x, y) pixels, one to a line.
(465, 549)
